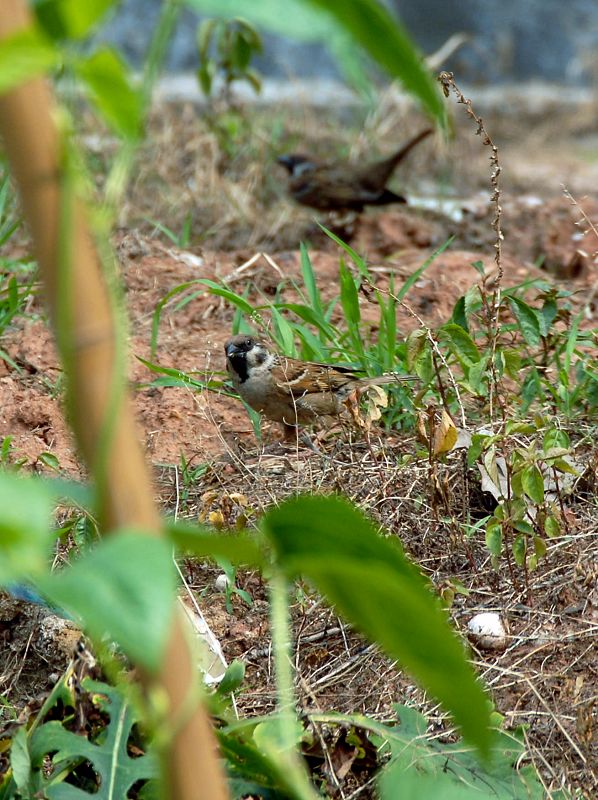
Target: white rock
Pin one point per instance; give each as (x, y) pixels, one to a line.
(488, 631)
(222, 583)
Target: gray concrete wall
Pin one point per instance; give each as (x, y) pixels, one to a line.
(553, 40)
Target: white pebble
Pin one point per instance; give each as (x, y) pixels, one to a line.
(222, 583)
(488, 631)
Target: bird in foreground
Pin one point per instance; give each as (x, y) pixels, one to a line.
(291, 391)
(344, 186)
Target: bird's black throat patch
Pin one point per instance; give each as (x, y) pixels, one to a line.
(238, 362)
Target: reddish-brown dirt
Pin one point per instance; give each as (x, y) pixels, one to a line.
(545, 237)
(178, 421)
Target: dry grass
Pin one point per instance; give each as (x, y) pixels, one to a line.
(545, 678)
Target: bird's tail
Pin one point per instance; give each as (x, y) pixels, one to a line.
(387, 197)
(385, 168)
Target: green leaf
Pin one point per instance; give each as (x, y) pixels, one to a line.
(349, 298)
(416, 342)
(239, 548)
(359, 262)
(309, 281)
(70, 19)
(235, 299)
(20, 761)
(519, 549)
(25, 539)
(540, 546)
(512, 361)
(554, 437)
(476, 375)
(552, 526)
(116, 770)
(458, 317)
(309, 315)
(372, 26)
(233, 678)
(547, 315)
(283, 334)
(371, 582)
(124, 588)
(420, 270)
(25, 55)
(367, 23)
(422, 767)
(494, 537)
(107, 78)
(460, 343)
(527, 319)
(532, 481)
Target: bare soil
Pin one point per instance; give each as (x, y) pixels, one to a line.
(546, 677)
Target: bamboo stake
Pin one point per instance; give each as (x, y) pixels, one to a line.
(32, 143)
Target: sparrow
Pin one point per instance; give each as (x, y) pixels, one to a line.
(344, 186)
(291, 391)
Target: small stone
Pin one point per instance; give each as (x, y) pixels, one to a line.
(487, 631)
(222, 583)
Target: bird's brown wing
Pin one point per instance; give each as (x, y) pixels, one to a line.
(302, 377)
(329, 188)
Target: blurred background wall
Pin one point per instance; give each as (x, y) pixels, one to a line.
(511, 40)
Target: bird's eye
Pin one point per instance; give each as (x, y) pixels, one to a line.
(248, 342)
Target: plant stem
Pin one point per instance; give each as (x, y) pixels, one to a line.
(291, 763)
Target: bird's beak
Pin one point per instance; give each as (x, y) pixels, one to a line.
(231, 349)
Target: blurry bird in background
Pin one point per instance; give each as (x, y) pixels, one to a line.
(344, 186)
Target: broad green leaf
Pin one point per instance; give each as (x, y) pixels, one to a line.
(528, 321)
(371, 582)
(25, 55)
(71, 19)
(20, 761)
(554, 437)
(476, 374)
(25, 538)
(514, 426)
(460, 343)
(547, 315)
(519, 549)
(233, 678)
(371, 25)
(239, 548)
(416, 342)
(341, 25)
(124, 589)
(116, 769)
(532, 481)
(478, 443)
(423, 767)
(494, 538)
(459, 317)
(107, 78)
(512, 361)
(552, 526)
(540, 546)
